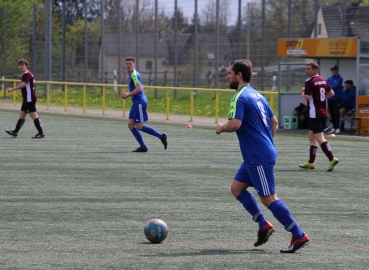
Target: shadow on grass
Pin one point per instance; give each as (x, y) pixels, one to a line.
(207, 252)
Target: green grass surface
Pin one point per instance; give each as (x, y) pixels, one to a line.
(204, 103)
(79, 199)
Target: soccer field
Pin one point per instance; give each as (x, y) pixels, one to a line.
(79, 199)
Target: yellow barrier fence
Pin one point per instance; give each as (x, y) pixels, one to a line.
(125, 87)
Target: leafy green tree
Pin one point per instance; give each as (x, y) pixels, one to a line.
(75, 44)
(18, 23)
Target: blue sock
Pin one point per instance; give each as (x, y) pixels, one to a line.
(251, 205)
(284, 216)
(151, 131)
(138, 137)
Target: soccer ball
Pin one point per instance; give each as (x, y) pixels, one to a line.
(156, 230)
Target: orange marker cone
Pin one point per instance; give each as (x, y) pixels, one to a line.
(332, 135)
(188, 126)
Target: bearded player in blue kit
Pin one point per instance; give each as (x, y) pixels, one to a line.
(255, 124)
(137, 115)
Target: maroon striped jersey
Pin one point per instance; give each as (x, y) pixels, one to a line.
(317, 88)
(29, 91)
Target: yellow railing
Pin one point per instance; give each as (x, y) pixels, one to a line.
(125, 87)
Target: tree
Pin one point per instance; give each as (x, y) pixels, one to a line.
(210, 19)
(191, 27)
(128, 11)
(181, 21)
(75, 9)
(75, 43)
(17, 34)
(203, 65)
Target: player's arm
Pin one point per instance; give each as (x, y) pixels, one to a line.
(136, 91)
(330, 93)
(304, 95)
(19, 86)
(231, 126)
(273, 125)
(138, 86)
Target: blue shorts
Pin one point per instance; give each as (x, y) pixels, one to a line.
(261, 177)
(138, 112)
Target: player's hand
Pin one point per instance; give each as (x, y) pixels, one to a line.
(10, 90)
(124, 95)
(302, 92)
(218, 129)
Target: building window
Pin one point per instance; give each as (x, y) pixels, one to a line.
(149, 65)
(319, 29)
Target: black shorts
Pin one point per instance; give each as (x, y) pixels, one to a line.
(347, 108)
(317, 125)
(28, 107)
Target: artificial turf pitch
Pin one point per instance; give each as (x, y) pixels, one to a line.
(79, 199)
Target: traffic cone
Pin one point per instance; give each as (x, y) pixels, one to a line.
(188, 126)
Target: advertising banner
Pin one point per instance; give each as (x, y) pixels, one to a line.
(362, 111)
(315, 47)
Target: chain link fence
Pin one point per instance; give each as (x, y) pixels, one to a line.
(187, 43)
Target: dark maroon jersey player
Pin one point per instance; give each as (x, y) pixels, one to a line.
(28, 92)
(317, 88)
(27, 87)
(316, 92)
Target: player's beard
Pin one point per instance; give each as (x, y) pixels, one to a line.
(234, 85)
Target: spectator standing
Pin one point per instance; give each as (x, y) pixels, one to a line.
(335, 81)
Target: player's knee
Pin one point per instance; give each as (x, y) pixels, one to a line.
(235, 191)
(267, 200)
(139, 126)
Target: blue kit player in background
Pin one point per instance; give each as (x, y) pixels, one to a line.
(138, 115)
(255, 124)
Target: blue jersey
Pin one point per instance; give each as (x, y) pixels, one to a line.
(255, 133)
(134, 79)
(336, 84)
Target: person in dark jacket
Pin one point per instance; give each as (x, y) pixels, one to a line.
(348, 100)
(335, 81)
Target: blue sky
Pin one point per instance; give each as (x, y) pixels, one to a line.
(187, 6)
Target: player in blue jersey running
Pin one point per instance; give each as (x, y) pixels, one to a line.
(137, 115)
(253, 120)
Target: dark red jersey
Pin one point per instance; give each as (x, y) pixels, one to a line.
(29, 91)
(317, 88)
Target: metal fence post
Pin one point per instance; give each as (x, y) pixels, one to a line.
(167, 104)
(48, 96)
(216, 106)
(84, 98)
(103, 100)
(65, 97)
(191, 106)
(5, 38)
